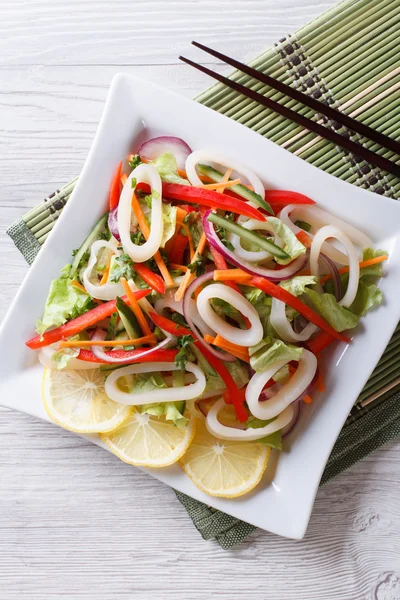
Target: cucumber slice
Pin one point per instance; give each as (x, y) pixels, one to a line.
(239, 189)
(250, 236)
(92, 237)
(128, 319)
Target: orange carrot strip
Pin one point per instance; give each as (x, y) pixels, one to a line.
(232, 275)
(147, 339)
(78, 285)
(307, 399)
(189, 276)
(363, 263)
(146, 232)
(240, 351)
(136, 308)
(106, 273)
(189, 236)
(178, 267)
(304, 238)
(221, 185)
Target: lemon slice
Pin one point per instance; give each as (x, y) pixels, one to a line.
(76, 400)
(148, 441)
(224, 468)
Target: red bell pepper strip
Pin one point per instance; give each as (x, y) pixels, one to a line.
(236, 395)
(152, 279)
(143, 188)
(82, 322)
(168, 325)
(286, 197)
(177, 250)
(320, 342)
(161, 355)
(115, 189)
(209, 198)
(281, 294)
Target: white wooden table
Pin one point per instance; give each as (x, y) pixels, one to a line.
(74, 521)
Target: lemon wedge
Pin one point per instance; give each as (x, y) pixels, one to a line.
(224, 468)
(148, 441)
(76, 400)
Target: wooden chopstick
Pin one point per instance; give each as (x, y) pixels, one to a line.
(321, 107)
(323, 132)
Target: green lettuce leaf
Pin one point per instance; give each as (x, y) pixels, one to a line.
(368, 296)
(169, 218)
(292, 245)
(168, 169)
(269, 351)
(238, 371)
(297, 285)
(148, 382)
(262, 303)
(64, 301)
(170, 410)
(373, 270)
(62, 357)
(339, 317)
(274, 440)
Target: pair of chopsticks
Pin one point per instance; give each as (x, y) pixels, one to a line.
(329, 134)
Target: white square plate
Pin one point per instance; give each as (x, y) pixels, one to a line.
(136, 110)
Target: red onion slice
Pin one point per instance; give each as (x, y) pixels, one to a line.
(273, 275)
(332, 268)
(155, 147)
(189, 320)
(113, 223)
(98, 351)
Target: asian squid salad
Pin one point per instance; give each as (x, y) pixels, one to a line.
(189, 325)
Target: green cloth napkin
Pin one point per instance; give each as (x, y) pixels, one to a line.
(347, 57)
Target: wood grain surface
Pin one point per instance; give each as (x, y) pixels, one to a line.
(75, 522)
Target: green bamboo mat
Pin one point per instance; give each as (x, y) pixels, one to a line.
(349, 57)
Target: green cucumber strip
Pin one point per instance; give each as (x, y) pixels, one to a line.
(92, 237)
(239, 189)
(129, 320)
(250, 236)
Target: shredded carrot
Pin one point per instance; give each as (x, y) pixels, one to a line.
(78, 285)
(189, 276)
(307, 399)
(364, 263)
(182, 173)
(136, 308)
(221, 185)
(178, 267)
(124, 177)
(180, 215)
(304, 238)
(169, 282)
(189, 236)
(225, 180)
(106, 273)
(232, 275)
(238, 351)
(147, 339)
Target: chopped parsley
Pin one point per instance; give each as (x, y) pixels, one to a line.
(181, 358)
(135, 161)
(123, 267)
